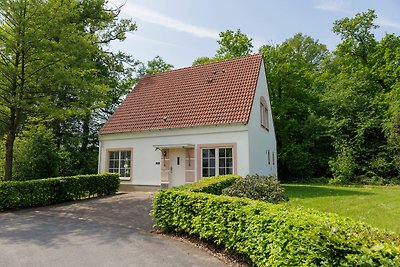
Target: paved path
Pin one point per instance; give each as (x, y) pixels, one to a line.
(109, 231)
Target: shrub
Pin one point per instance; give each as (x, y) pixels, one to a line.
(35, 154)
(265, 188)
(268, 234)
(343, 167)
(22, 194)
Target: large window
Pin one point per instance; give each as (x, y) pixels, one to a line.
(120, 162)
(217, 161)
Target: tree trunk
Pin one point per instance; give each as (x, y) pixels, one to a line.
(11, 134)
(85, 133)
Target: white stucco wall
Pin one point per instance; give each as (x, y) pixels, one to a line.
(146, 172)
(261, 140)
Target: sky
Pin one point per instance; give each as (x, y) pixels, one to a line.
(182, 30)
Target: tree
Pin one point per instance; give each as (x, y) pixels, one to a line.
(30, 50)
(52, 55)
(359, 84)
(231, 44)
(292, 70)
(358, 40)
(203, 60)
(91, 102)
(155, 65)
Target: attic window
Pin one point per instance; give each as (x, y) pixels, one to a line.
(264, 113)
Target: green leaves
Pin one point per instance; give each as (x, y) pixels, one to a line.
(23, 194)
(264, 188)
(293, 71)
(273, 234)
(231, 44)
(56, 66)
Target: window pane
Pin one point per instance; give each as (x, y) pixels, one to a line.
(212, 172)
(205, 163)
(125, 164)
(229, 152)
(212, 163)
(222, 152)
(205, 172)
(212, 153)
(229, 162)
(111, 164)
(221, 163)
(229, 171)
(205, 153)
(114, 155)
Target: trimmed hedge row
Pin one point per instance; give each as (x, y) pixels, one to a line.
(273, 234)
(210, 185)
(22, 194)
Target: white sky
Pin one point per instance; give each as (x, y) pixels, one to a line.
(182, 30)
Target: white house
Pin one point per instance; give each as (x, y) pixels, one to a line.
(178, 126)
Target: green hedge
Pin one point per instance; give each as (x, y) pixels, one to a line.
(22, 194)
(211, 185)
(274, 234)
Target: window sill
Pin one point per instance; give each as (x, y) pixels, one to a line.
(125, 178)
(265, 128)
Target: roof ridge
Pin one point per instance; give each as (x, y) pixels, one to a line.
(205, 64)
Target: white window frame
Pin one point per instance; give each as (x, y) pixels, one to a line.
(119, 151)
(217, 160)
(264, 114)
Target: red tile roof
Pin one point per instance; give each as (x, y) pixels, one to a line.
(210, 94)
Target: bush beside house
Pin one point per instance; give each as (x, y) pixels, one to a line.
(272, 234)
(22, 194)
(265, 188)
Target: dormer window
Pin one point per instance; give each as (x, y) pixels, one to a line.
(264, 113)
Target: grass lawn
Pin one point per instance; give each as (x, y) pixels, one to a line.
(376, 205)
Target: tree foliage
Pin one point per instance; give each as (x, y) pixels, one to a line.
(337, 114)
(360, 92)
(56, 67)
(155, 65)
(36, 154)
(231, 44)
(303, 147)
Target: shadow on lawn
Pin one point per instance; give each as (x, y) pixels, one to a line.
(309, 191)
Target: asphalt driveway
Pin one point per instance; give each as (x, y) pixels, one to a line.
(109, 231)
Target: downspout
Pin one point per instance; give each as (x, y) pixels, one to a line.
(99, 159)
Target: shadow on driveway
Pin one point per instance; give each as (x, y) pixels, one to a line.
(108, 231)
